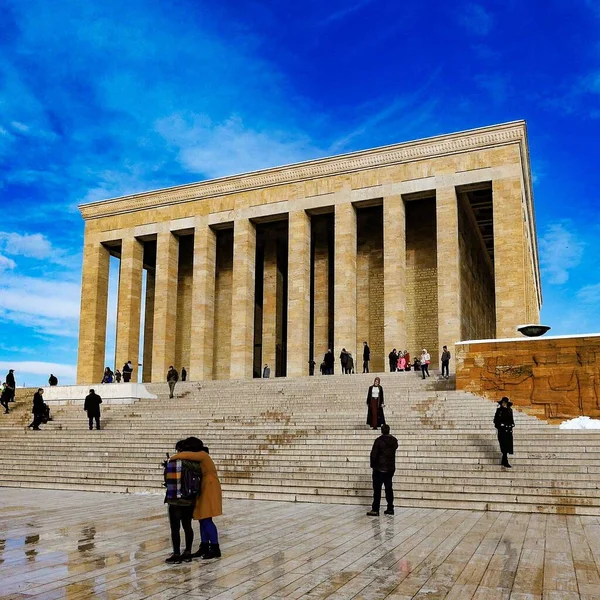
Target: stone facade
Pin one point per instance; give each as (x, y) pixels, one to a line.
(392, 245)
(555, 378)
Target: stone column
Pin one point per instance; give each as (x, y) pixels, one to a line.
(165, 305)
(394, 275)
(509, 257)
(242, 308)
(448, 270)
(203, 303)
(298, 329)
(269, 312)
(129, 304)
(148, 327)
(321, 259)
(94, 306)
(344, 304)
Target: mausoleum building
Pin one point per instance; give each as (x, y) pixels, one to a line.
(411, 246)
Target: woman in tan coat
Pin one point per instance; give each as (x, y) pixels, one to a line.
(209, 503)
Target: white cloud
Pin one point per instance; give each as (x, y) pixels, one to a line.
(48, 307)
(6, 263)
(229, 147)
(560, 251)
(30, 245)
(589, 294)
(344, 12)
(476, 19)
(23, 368)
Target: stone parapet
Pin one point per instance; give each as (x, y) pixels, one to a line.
(555, 377)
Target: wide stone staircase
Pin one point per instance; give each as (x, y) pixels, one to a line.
(306, 440)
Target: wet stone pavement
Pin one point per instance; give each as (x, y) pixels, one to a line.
(79, 545)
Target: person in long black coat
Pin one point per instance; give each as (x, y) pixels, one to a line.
(11, 383)
(92, 407)
(504, 423)
(375, 404)
(39, 409)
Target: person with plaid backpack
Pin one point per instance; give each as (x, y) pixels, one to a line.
(183, 480)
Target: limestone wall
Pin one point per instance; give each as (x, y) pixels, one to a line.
(421, 279)
(223, 299)
(478, 309)
(184, 302)
(555, 378)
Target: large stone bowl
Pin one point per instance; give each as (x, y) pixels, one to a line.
(533, 330)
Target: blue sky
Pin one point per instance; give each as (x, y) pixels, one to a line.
(103, 99)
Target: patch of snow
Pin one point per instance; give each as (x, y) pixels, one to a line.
(580, 423)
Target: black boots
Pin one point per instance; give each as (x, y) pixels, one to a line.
(213, 552)
(204, 546)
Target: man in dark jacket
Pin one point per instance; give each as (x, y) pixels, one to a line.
(127, 371)
(38, 410)
(366, 357)
(328, 359)
(5, 398)
(11, 383)
(52, 380)
(92, 407)
(393, 357)
(344, 360)
(172, 379)
(183, 374)
(383, 463)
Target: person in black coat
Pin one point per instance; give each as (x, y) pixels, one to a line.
(329, 360)
(393, 358)
(92, 407)
(11, 383)
(39, 409)
(504, 423)
(183, 374)
(383, 463)
(5, 397)
(375, 404)
(52, 380)
(366, 357)
(344, 360)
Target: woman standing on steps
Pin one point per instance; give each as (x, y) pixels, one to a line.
(504, 423)
(209, 503)
(375, 417)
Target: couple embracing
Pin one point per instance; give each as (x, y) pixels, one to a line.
(193, 492)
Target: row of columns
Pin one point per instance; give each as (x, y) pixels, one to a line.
(162, 290)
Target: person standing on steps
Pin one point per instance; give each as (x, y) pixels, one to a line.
(393, 358)
(375, 404)
(366, 357)
(118, 376)
(350, 364)
(328, 359)
(446, 356)
(38, 410)
(92, 408)
(344, 361)
(183, 374)
(127, 371)
(172, 379)
(11, 383)
(504, 423)
(266, 372)
(383, 464)
(209, 503)
(52, 380)
(5, 397)
(425, 360)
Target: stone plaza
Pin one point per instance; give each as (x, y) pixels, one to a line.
(411, 246)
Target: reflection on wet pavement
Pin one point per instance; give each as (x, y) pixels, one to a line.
(83, 545)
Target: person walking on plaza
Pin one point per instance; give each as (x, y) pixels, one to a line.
(504, 423)
(328, 359)
(5, 397)
(266, 372)
(11, 383)
(375, 404)
(425, 360)
(183, 374)
(39, 409)
(344, 360)
(446, 356)
(127, 371)
(52, 380)
(172, 379)
(393, 357)
(92, 408)
(118, 376)
(366, 357)
(209, 503)
(383, 464)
